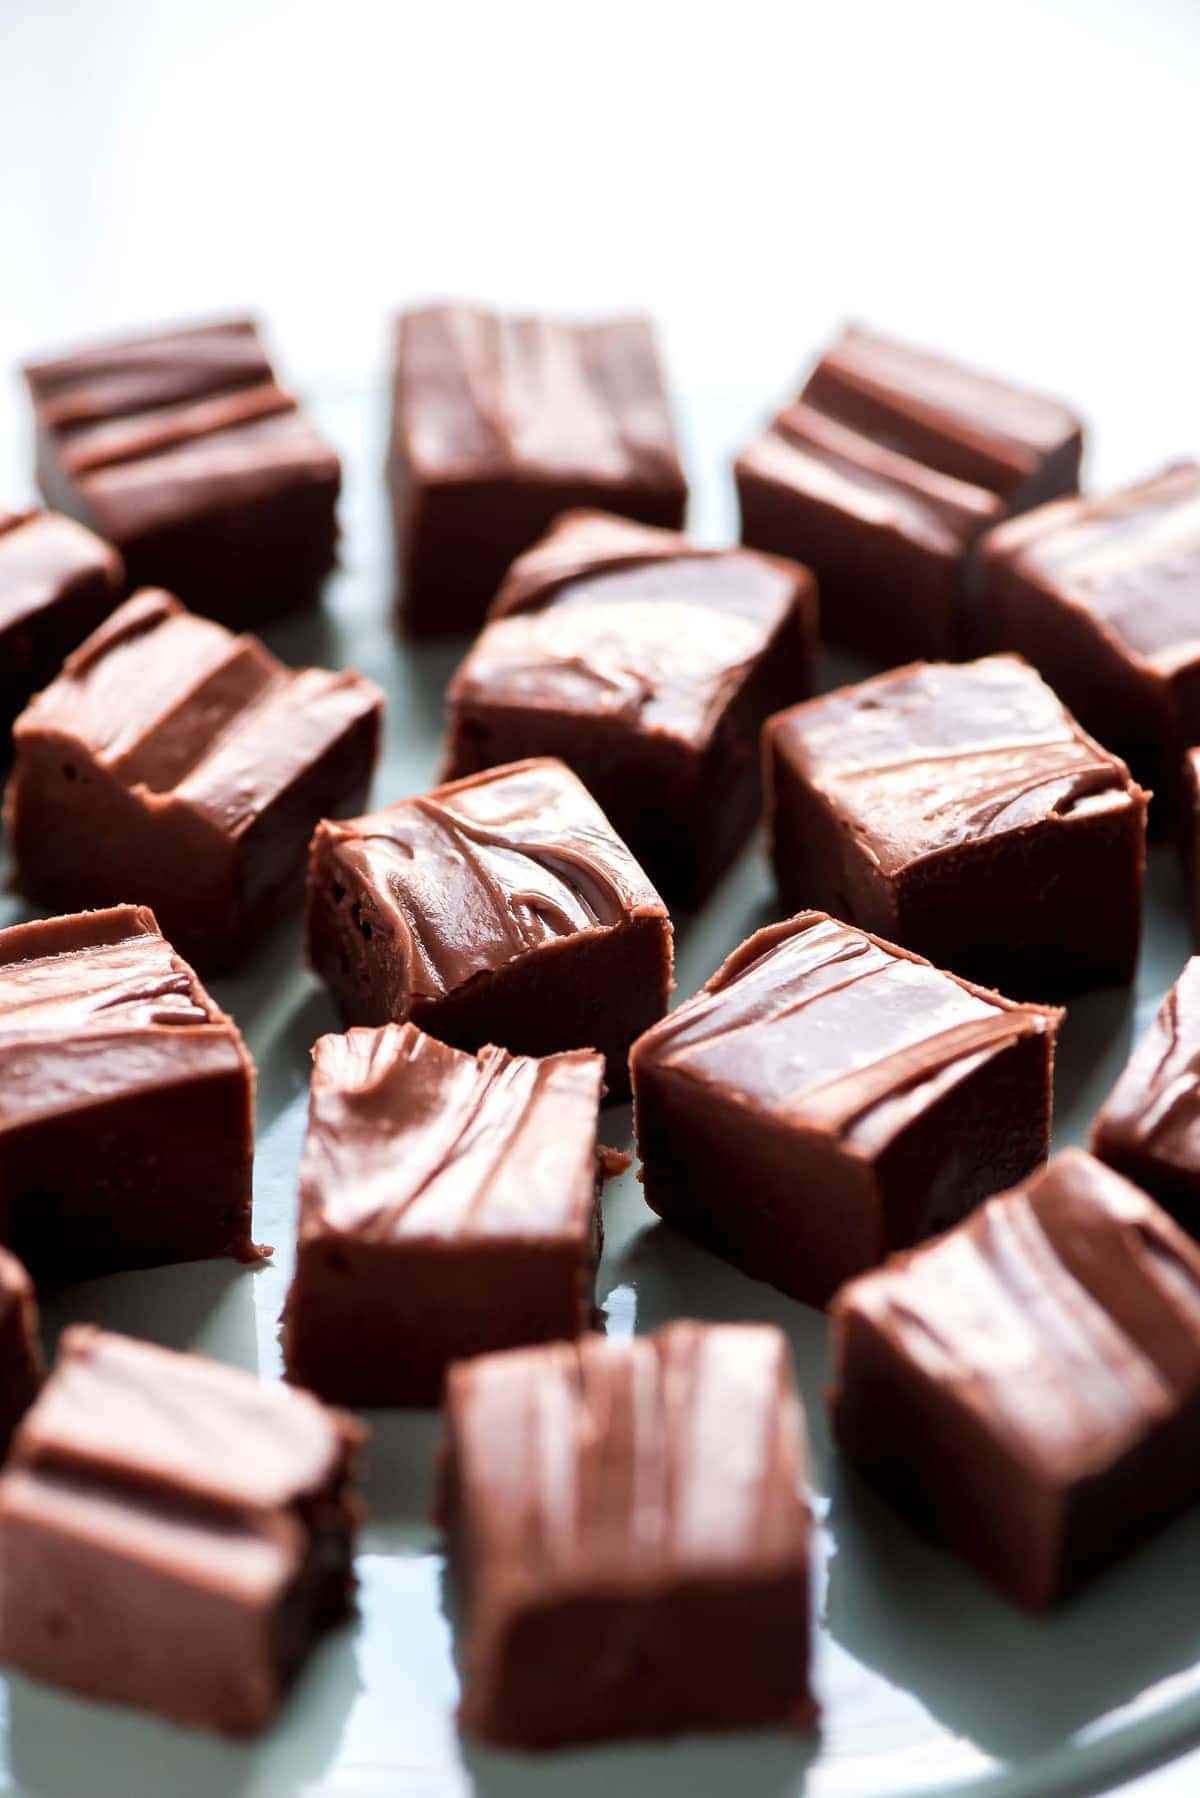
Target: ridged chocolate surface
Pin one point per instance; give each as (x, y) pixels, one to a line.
(623, 621)
(487, 869)
(953, 418)
(834, 1030)
(97, 1007)
(411, 1139)
(1064, 1315)
(1153, 1111)
(1130, 560)
(480, 394)
(936, 755)
(180, 709)
(631, 1463)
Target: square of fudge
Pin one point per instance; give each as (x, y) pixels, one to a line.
(645, 1494)
(176, 764)
(58, 581)
(126, 1102)
(1189, 836)
(181, 447)
(503, 908)
(501, 423)
(958, 808)
(648, 665)
(1027, 1388)
(1149, 1126)
(449, 1205)
(22, 1369)
(882, 475)
(1102, 596)
(827, 1097)
(175, 1533)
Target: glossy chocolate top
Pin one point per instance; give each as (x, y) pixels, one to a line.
(623, 621)
(927, 758)
(869, 481)
(43, 555)
(631, 1462)
(1064, 1315)
(176, 1459)
(834, 1031)
(1154, 1109)
(412, 1140)
(165, 426)
(478, 395)
(954, 419)
(98, 1006)
(188, 714)
(489, 868)
(1131, 561)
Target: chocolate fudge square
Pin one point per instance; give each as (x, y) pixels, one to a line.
(1149, 1126)
(645, 1494)
(881, 477)
(1103, 595)
(181, 447)
(126, 1102)
(175, 1533)
(960, 810)
(449, 1205)
(58, 581)
(22, 1369)
(501, 423)
(1027, 1388)
(1189, 836)
(648, 665)
(500, 909)
(827, 1098)
(187, 767)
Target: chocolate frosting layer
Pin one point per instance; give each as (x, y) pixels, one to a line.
(99, 1006)
(622, 621)
(1130, 560)
(479, 395)
(137, 374)
(950, 417)
(42, 555)
(835, 1030)
(1064, 1315)
(922, 759)
(631, 1463)
(486, 869)
(177, 708)
(412, 1140)
(1154, 1109)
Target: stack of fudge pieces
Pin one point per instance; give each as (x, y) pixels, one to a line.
(856, 1107)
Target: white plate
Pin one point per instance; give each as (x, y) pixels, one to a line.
(928, 1682)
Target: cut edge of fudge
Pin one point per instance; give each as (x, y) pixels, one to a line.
(22, 1365)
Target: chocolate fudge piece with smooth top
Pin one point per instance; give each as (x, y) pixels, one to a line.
(648, 665)
(181, 447)
(449, 1205)
(176, 763)
(498, 425)
(500, 909)
(1103, 596)
(882, 475)
(1028, 1386)
(58, 581)
(175, 1533)
(126, 1102)
(960, 810)
(22, 1369)
(827, 1097)
(643, 1494)
(1149, 1126)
